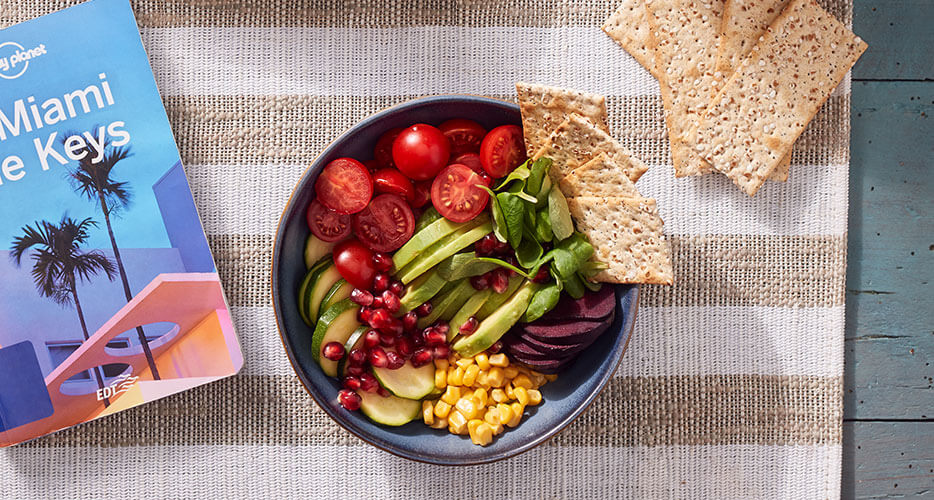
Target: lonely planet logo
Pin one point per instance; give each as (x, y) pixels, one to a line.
(14, 59)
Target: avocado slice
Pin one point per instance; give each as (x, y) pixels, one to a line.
(423, 240)
(498, 323)
(498, 299)
(449, 303)
(470, 308)
(467, 235)
(422, 290)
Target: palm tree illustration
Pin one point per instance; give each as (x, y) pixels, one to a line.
(59, 264)
(94, 181)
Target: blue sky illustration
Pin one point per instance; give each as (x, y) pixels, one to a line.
(82, 42)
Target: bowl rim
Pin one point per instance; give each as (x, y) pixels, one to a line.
(323, 402)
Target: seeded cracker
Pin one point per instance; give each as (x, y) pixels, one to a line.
(577, 141)
(753, 122)
(629, 27)
(544, 108)
(599, 177)
(627, 235)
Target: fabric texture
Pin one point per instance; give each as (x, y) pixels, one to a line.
(732, 386)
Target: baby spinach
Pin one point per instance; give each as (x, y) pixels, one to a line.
(543, 226)
(529, 251)
(499, 219)
(544, 300)
(560, 215)
(514, 214)
(463, 265)
(533, 185)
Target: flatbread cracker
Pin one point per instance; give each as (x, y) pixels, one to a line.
(686, 34)
(577, 141)
(789, 74)
(627, 235)
(544, 108)
(629, 27)
(599, 177)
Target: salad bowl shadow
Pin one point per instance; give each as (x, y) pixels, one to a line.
(564, 400)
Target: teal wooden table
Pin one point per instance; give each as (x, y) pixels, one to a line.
(888, 443)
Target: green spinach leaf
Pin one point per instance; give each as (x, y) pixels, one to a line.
(544, 300)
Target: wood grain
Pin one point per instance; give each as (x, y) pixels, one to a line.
(888, 460)
(900, 38)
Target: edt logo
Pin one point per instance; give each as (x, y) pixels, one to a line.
(14, 59)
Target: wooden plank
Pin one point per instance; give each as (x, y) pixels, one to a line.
(888, 460)
(900, 38)
(889, 337)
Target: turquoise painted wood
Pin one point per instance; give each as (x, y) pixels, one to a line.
(888, 460)
(900, 34)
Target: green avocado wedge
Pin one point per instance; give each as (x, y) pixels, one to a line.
(497, 324)
(423, 240)
(470, 308)
(422, 290)
(467, 235)
(336, 324)
(449, 303)
(391, 410)
(498, 299)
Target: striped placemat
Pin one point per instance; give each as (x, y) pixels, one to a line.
(732, 385)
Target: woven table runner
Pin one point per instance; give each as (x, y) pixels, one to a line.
(732, 384)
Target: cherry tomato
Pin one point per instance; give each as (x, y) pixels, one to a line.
(326, 224)
(421, 151)
(385, 224)
(390, 180)
(382, 152)
(354, 262)
(344, 186)
(502, 150)
(372, 165)
(464, 135)
(422, 194)
(472, 160)
(455, 194)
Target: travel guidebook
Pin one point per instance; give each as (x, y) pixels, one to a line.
(109, 296)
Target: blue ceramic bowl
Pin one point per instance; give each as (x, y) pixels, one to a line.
(565, 399)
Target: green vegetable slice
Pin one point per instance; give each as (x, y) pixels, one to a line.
(428, 216)
(537, 175)
(560, 215)
(543, 226)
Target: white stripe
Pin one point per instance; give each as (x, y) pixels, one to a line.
(363, 472)
(668, 341)
(389, 61)
(249, 200)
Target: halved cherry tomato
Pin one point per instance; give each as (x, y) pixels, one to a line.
(421, 151)
(455, 194)
(382, 152)
(354, 262)
(390, 180)
(464, 135)
(502, 150)
(326, 224)
(385, 224)
(344, 186)
(472, 160)
(422, 194)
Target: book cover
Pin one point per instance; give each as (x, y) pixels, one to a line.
(109, 296)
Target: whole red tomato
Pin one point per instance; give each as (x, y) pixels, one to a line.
(420, 151)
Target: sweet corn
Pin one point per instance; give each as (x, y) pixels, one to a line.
(482, 434)
(509, 393)
(428, 412)
(538, 380)
(483, 361)
(483, 379)
(451, 395)
(498, 395)
(457, 423)
(470, 375)
(510, 372)
(439, 423)
(517, 411)
(441, 364)
(455, 377)
(472, 425)
(522, 396)
(500, 360)
(535, 397)
(442, 409)
(551, 377)
(441, 378)
(491, 416)
(522, 381)
(497, 429)
(464, 362)
(468, 407)
(505, 413)
(481, 397)
(495, 377)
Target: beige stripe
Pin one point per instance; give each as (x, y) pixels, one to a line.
(294, 129)
(360, 13)
(709, 271)
(656, 411)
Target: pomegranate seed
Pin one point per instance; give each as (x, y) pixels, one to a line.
(380, 282)
(502, 246)
(350, 382)
(368, 382)
(395, 327)
(486, 245)
(371, 339)
(397, 288)
(500, 280)
(383, 392)
(421, 357)
(364, 314)
(391, 301)
(350, 400)
(542, 275)
(434, 337)
(441, 352)
(382, 262)
(361, 297)
(333, 351)
(377, 357)
(395, 360)
(410, 321)
(357, 357)
(356, 371)
(481, 282)
(442, 327)
(405, 346)
(469, 326)
(381, 319)
(496, 347)
(377, 303)
(387, 339)
(424, 309)
(418, 340)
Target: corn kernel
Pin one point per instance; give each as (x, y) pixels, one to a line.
(441, 364)
(468, 407)
(551, 377)
(522, 396)
(451, 395)
(500, 360)
(505, 413)
(441, 378)
(483, 361)
(510, 372)
(509, 393)
(439, 423)
(522, 381)
(472, 425)
(495, 377)
(517, 411)
(470, 375)
(457, 423)
(492, 415)
(482, 434)
(428, 412)
(535, 397)
(442, 409)
(464, 362)
(538, 380)
(497, 429)
(456, 377)
(481, 396)
(498, 395)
